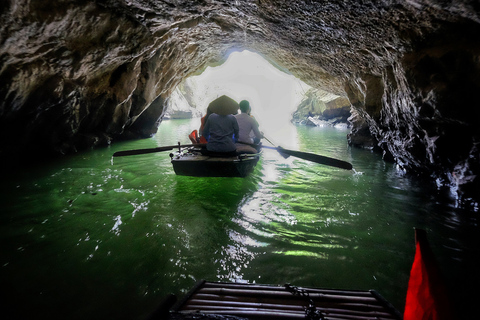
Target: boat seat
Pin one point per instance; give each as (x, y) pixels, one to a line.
(205, 152)
(243, 148)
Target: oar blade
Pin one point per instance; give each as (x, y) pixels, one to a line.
(141, 151)
(308, 156)
(317, 158)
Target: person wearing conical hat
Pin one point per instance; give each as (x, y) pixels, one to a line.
(220, 131)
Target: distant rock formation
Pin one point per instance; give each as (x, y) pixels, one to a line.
(180, 105)
(320, 108)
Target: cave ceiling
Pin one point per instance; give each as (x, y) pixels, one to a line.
(78, 74)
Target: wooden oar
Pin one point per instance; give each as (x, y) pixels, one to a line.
(309, 156)
(316, 158)
(282, 154)
(152, 150)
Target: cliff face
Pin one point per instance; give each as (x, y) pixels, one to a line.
(76, 75)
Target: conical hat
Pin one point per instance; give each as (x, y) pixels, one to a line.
(223, 105)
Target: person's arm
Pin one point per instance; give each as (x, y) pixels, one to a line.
(235, 129)
(202, 124)
(206, 129)
(256, 130)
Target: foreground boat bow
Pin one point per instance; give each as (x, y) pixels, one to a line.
(214, 300)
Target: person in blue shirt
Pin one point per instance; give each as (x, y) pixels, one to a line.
(220, 131)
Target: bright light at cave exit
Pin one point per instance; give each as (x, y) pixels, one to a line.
(273, 94)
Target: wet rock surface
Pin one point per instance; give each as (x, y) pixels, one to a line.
(75, 75)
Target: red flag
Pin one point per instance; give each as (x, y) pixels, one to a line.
(426, 294)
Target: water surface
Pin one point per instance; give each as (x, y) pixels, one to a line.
(91, 237)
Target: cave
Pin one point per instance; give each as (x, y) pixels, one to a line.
(78, 75)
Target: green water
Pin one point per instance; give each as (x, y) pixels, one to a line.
(89, 237)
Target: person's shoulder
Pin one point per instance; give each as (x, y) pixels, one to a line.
(242, 116)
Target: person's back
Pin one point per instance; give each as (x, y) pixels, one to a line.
(220, 130)
(247, 124)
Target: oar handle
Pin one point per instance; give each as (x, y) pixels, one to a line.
(269, 141)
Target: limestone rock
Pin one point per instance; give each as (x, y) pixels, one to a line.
(179, 107)
(310, 106)
(320, 108)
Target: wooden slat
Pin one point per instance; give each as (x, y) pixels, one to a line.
(225, 305)
(269, 293)
(243, 304)
(285, 301)
(256, 314)
(228, 309)
(282, 288)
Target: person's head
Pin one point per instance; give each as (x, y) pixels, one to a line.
(244, 106)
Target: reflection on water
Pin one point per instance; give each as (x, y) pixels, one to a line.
(91, 237)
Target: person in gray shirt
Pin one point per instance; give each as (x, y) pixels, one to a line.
(247, 125)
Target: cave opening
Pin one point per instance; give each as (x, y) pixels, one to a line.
(245, 75)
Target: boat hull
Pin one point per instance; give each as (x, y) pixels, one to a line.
(197, 165)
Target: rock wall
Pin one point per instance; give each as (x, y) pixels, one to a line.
(75, 75)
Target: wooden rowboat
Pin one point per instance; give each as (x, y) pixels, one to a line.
(254, 301)
(191, 162)
(195, 165)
